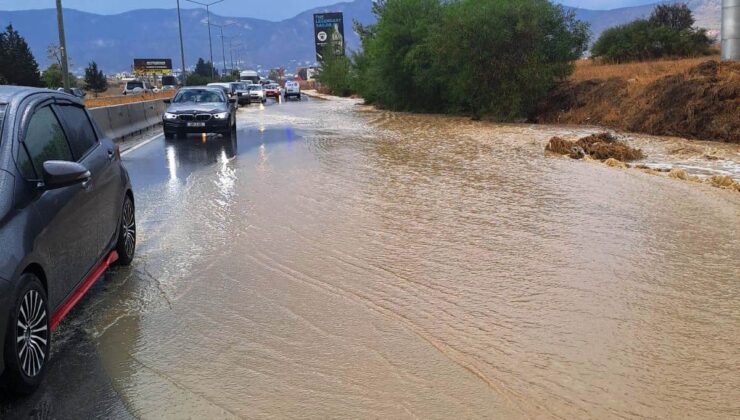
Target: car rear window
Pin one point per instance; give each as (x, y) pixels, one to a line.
(134, 85)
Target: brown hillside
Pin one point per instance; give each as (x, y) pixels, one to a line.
(701, 101)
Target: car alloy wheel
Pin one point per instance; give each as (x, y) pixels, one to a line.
(129, 227)
(126, 246)
(32, 333)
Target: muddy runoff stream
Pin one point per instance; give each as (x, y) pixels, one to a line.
(337, 261)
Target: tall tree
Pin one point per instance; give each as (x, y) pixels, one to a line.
(203, 68)
(677, 16)
(95, 79)
(17, 64)
(52, 77)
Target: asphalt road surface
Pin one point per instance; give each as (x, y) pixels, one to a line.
(334, 261)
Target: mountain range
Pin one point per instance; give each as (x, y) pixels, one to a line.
(113, 41)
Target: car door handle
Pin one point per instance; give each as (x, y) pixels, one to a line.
(111, 154)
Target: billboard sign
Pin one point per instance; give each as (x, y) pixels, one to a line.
(328, 34)
(151, 66)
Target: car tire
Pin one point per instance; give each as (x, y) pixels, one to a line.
(27, 338)
(169, 135)
(126, 243)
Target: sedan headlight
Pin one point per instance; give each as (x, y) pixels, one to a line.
(170, 116)
(221, 115)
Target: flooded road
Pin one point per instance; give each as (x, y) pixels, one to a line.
(335, 262)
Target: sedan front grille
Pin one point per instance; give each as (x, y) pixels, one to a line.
(195, 117)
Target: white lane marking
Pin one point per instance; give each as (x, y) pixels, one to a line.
(142, 144)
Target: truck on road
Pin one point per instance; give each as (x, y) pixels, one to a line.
(249, 76)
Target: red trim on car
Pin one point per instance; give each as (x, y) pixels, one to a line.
(57, 317)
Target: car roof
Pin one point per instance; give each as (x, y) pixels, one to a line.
(213, 88)
(9, 93)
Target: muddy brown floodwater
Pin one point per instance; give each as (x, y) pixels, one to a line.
(340, 262)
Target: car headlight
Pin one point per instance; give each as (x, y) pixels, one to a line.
(170, 116)
(221, 115)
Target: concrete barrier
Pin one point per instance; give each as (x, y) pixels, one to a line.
(120, 121)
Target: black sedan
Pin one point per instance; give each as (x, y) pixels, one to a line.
(200, 110)
(66, 214)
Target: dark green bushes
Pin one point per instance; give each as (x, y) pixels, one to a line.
(668, 33)
(481, 57)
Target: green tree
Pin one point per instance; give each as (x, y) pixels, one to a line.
(337, 75)
(205, 69)
(398, 68)
(492, 57)
(52, 77)
(677, 16)
(17, 64)
(668, 33)
(95, 80)
(503, 56)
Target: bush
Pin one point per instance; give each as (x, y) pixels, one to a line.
(492, 57)
(668, 33)
(337, 75)
(195, 79)
(95, 80)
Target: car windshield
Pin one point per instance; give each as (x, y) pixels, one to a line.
(134, 85)
(198, 96)
(255, 87)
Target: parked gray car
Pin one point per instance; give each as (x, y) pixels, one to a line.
(66, 214)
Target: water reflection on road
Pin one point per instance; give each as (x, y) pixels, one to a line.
(336, 261)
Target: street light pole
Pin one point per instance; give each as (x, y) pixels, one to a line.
(208, 21)
(63, 47)
(223, 49)
(182, 47)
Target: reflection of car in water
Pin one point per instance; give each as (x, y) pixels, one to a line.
(194, 150)
(200, 110)
(66, 213)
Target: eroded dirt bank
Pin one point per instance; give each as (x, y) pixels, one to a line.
(702, 102)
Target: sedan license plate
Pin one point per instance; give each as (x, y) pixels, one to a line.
(196, 124)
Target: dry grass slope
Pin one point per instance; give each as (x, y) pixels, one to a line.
(692, 98)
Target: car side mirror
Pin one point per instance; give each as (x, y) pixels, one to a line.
(61, 173)
(232, 101)
(167, 101)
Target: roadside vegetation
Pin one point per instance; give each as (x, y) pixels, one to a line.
(95, 80)
(17, 64)
(669, 32)
(493, 58)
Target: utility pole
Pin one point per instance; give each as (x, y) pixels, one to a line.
(730, 30)
(223, 49)
(63, 47)
(182, 47)
(208, 21)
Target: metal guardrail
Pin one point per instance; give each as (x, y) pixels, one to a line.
(120, 121)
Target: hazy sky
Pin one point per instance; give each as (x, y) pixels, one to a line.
(264, 9)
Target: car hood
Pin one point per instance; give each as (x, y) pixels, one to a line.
(190, 107)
